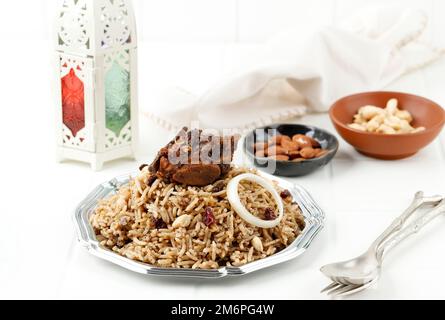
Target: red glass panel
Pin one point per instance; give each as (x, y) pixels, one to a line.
(73, 102)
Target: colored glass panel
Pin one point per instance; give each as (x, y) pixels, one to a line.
(117, 98)
(73, 102)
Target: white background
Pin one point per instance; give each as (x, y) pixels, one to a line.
(189, 44)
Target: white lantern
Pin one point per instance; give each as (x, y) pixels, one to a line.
(96, 81)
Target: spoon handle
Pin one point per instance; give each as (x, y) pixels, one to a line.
(412, 229)
(418, 201)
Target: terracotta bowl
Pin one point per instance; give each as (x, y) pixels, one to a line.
(426, 113)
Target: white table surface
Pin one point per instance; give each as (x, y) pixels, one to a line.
(40, 257)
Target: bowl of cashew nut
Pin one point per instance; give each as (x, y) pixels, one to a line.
(387, 125)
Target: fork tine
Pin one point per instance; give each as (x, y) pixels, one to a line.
(355, 290)
(343, 290)
(330, 287)
(339, 287)
(358, 289)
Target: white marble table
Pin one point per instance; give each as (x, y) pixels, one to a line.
(41, 259)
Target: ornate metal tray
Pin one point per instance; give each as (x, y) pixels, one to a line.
(314, 217)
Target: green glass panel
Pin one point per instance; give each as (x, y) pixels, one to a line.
(117, 98)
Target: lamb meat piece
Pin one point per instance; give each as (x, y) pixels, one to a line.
(194, 158)
(197, 174)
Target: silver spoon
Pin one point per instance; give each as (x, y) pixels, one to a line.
(366, 269)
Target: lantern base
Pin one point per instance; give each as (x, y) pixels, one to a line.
(96, 160)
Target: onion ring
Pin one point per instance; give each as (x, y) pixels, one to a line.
(235, 201)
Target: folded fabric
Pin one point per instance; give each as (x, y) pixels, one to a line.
(294, 76)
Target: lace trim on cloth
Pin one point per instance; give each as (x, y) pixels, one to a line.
(288, 114)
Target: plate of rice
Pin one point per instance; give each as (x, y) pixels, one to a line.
(154, 225)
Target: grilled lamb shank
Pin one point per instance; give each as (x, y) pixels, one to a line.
(194, 158)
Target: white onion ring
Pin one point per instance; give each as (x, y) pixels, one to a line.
(235, 201)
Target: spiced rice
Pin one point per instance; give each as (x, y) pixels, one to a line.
(175, 226)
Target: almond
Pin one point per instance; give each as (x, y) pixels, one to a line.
(321, 153)
(302, 141)
(279, 139)
(294, 155)
(280, 158)
(315, 143)
(276, 150)
(261, 146)
(308, 153)
(290, 145)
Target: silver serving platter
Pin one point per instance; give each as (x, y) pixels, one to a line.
(314, 217)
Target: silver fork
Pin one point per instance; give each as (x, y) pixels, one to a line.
(361, 273)
(338, 290)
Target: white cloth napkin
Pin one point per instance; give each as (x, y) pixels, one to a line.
(293, 76)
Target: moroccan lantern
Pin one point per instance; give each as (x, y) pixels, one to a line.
(96, 81)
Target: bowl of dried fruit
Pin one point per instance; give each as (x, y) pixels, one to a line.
(290, 150)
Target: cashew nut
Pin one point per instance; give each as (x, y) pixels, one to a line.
(183, 221)
(390, 120)
(257, 244)
(391, 106)
(369, 112)
(385, 129)
(357, 126)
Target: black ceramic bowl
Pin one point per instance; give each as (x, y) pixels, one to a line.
(289, 168)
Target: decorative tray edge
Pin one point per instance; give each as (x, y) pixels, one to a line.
(314, 218)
